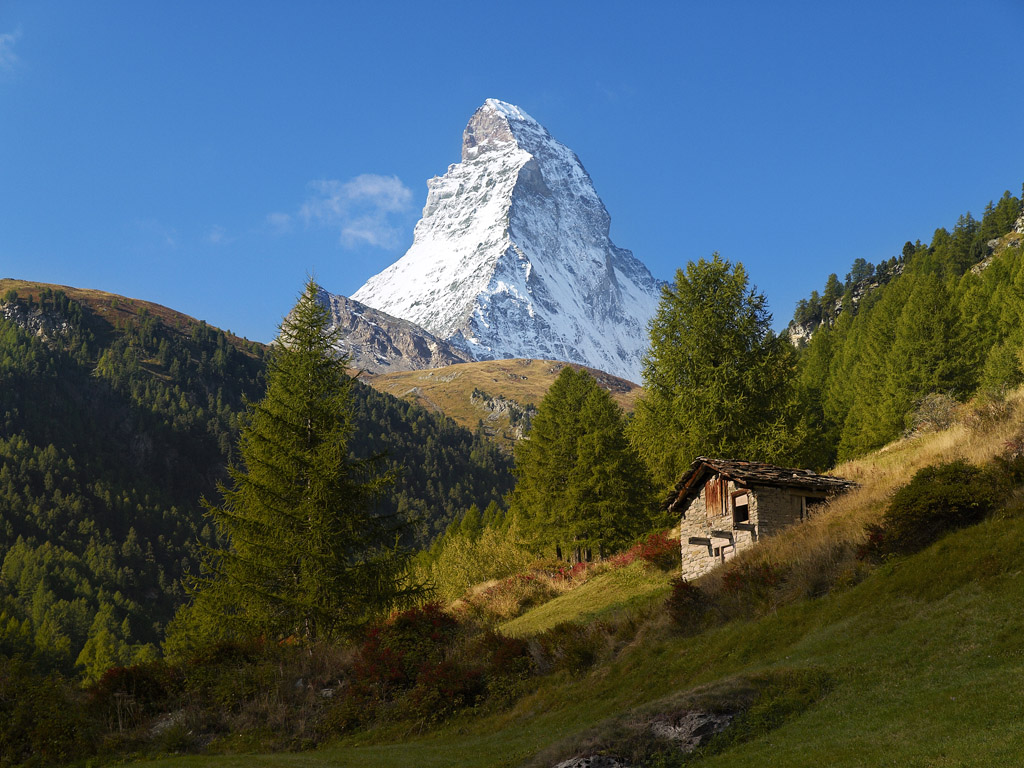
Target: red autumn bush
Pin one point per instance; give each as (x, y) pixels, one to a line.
(442, 689)
(393, 653)
(659, 549)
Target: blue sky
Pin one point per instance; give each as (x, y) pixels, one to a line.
(207, 156)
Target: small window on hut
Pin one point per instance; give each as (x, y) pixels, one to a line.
(740, 508)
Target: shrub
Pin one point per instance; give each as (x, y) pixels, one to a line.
(687, 605)
(576, 573)
(936, 411)
(124, 696)
(572, 647)
(1010, 464)
(442, 689)
(659, 549)
(41, 722)
(502, 656)
(507, 662)
(938, 499)
(987, 412)
(510, 597)
(423, 665)
(757, 580)
(226, 675)
(395, 652)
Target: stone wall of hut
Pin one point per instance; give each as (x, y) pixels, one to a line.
(700, 522)
(770, 511)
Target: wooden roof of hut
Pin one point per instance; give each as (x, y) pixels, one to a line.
(750, 474)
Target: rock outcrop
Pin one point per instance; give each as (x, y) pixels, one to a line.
(45, 325)
(380, 343)
(686, 731)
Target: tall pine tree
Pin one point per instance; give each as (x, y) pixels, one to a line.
(306, 557)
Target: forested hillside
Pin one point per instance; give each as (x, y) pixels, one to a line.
(117, 417)
(895, 346)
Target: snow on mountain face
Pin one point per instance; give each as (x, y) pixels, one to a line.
(512, 257)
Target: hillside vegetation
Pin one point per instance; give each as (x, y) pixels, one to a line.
(499, 396)
(898, 344)
(116, 417)
(882, 630)
(913, 661)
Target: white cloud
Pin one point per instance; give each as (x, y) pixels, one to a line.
(8, 58)
(371, 230)
(155, 233)
(363, 209)
(217, 235)
(280, 223)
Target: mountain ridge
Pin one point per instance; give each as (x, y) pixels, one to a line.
(377, 342)
(512, 257)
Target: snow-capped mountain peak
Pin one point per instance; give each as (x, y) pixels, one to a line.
(512, 257)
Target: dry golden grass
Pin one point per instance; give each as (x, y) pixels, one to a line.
(500, 600)
(524, 382)
(824, 545)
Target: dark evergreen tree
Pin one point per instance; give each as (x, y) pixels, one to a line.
(471, 525)
(820, 430)
(928, 355)
(861, 271)
(306, 556)
(859, 374)
(830, 297)
(582, 488)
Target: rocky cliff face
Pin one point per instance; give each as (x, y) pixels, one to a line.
(800, 333)
(512, 256)
(46, 326)
(380, 343)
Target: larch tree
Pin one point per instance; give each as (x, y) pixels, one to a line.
(305, 557)
(717, 380)
(582, 488)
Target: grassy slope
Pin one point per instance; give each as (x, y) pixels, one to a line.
(926, 655)
(926, 660)
(636, 585)
(524, 381)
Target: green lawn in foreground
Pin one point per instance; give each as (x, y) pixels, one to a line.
(926, 658)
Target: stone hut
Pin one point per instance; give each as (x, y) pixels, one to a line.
(726, 506)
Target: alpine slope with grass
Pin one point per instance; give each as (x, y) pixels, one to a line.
(809, 650)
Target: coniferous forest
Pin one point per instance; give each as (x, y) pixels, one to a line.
(117, 419)
(900, 342)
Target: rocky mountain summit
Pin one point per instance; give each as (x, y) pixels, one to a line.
(512, 256)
